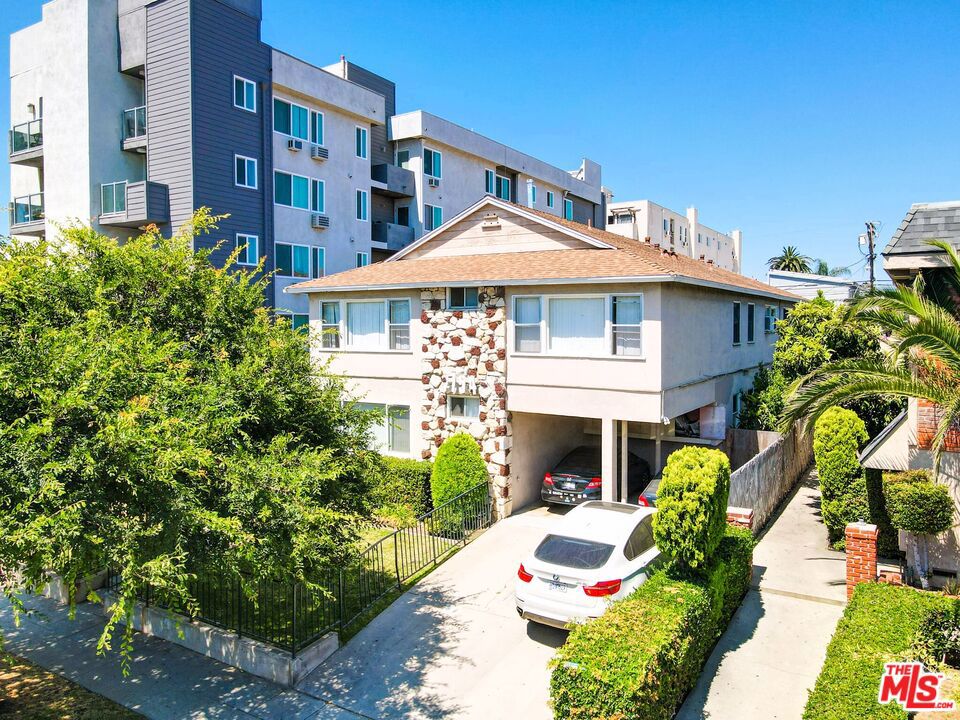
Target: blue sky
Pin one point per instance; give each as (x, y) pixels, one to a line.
(795, 121)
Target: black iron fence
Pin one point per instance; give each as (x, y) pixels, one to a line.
(291, 615)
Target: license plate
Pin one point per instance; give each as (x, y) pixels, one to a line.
(558, 587)
(569, 486)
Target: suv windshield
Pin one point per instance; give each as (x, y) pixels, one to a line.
(573, 552)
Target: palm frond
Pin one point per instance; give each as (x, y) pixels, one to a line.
(950, 414)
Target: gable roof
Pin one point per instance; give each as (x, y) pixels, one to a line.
(925, 222)
(604, 258)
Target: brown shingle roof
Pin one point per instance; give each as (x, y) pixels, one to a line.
(627, 259)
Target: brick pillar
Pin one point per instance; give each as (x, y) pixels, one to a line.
(861, 554)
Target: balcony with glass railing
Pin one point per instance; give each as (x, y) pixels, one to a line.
(26, 143)
(135, 129)
(26, 215)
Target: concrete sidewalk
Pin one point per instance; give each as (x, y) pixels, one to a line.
(770, 655)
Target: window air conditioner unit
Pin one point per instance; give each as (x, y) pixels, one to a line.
(319, 221)
(433, 182)
(294, 145)
(318, 152)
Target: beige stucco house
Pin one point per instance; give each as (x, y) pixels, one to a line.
(536, 335)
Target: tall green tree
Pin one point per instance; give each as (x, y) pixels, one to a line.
(791, 260)
(155, 419)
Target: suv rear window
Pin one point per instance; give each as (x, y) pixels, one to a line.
(573, 552)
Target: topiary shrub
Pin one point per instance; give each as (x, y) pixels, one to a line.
(888, 545)
(920, 507)
(837, 437)
(401, 488)
(459, 466)
(692, 505)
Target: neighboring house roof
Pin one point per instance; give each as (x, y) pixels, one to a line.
(598, 257)
(890, 449)
(809, 284)
(923, 223)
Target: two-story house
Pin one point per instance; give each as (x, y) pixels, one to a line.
(536, 334)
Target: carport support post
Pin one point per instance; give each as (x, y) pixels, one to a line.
(608, 458)
(624, 465)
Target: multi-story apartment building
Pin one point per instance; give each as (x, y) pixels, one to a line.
(134, 112)
(648, 222)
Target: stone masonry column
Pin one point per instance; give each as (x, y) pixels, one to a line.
(861, 554)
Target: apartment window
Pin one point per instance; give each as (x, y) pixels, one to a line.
(526, 323)
(503, 187)
(330, 325)
(549, 198)
(699, 238)
(318, 193)
(403, 215)
(392, 432)
(783, 313)
(113, 197)
(365, 324)
(708, 241)
(627, 324)
(464, 298)
(576, 325)
(248, 246)
(298, 321)
(316, 127)
(292, 260)
(432, 217)
(736, 323)
(246, 172)
(751, 322)
(403, 158)
(489, 181)
(568, 209)
(244, 94)
(290, 119)
(361, 143)
(533, 194)
(399, 324)
(463, 406)
(363, 259)
(318, 262)
(291, 190)
(770, 320)
(432, 163)
(361, 205)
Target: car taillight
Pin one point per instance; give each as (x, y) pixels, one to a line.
(604, 587)
(527, 577)
(547, 479)
(642, 501)
(593, 484)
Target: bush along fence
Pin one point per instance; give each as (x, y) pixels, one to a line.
(292, 616)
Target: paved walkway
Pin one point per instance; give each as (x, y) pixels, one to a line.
(770, 656)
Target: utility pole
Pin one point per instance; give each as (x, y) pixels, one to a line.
(871, 255)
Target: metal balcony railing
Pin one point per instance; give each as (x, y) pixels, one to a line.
(26, 136)
(26, 209)
(135, 123)
(113, 197)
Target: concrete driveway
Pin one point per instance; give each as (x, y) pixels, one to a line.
(453, 646)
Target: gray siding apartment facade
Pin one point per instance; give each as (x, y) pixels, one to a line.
(165, 71)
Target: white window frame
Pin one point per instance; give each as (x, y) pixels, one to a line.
(385, 409)
(309, 260)
(245, 82)
(365, 206)
(509, 184)
(361, 132)
(392, 325)
(318, 261)
(457, 396)
(323, 126)
(451, 306)
(491, 187)
(770, 320)
(323, 196)
(329, 340)
(541, 324)
(435, 152)
(639, 326)
(362, 259)
(342, 342)
(533, 194)
(550, 202)
(433, 224)
(290, 134)
(567, 202)
(309, 207)
(246, 168)
(245, 239)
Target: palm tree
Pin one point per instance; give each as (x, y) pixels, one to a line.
(822, 267)
(923, 362)
(791, 260)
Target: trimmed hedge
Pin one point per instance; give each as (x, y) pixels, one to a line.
(888, 542)
(402, 482)
(459, 466)
(879, 625)
(916, 504)
(692, 505)
(838, 436)
(640, 658)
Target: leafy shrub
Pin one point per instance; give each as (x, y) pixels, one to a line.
(401, 482)
(459, 467)
(878, 625)
(692, 505)
(837, 437)
(938, 637)
(762, 405)
(888, 544)
(916, 504)
(608, 669)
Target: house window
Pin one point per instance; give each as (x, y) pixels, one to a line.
(318, 196)
(751, 322)
(403, 158)
(783, 313)
(627, 324)
(432, 163)
(392, 432)
(316, 127)
(290, 119)
(244, 94)
(576, 325)
(249, 254)
(463, 406)
(365, 324)
(568, 209)
(403, 215)
(432, 217)
(399, 324)
(246, 172)
(318, 262)
(291, 190)
(362, 205)
(533, 194)
(292, 260)
(770, 320)
(113, 197)
(298, 321)
(526, 322)
(330, 325)
(666, 227)
(736, 323)
(361, 142)
(489, 182)
(549, 198)
(464, 298)
(363, 259)
(503, 187)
